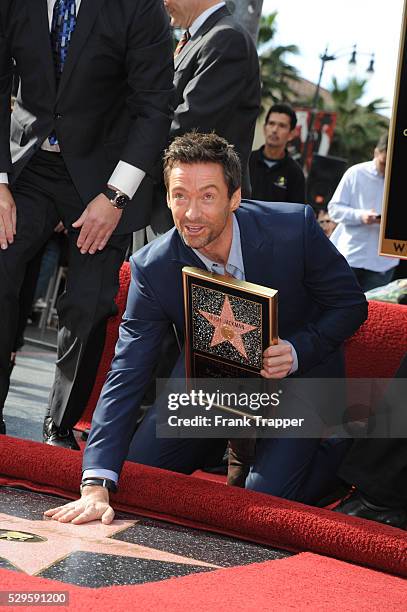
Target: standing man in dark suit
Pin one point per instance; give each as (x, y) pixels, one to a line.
(276, 245)
(217, 85)
(89, 122)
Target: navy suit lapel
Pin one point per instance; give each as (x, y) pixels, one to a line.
(38, 14)
(205, 27)
(184, 255)
(257, 253)
(88, 11)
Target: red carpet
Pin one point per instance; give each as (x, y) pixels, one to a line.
(302, 582)
(375, 351)
(195, 502)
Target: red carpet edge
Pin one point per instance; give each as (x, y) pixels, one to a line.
(303, 582)
(190, 501)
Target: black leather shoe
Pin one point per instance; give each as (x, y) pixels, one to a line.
(2, 427)
(357, 505)
(56, 436)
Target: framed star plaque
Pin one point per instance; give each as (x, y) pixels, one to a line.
(228, 325)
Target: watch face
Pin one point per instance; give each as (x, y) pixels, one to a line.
(121, 201)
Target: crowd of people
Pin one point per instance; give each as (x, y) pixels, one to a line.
(126, 144)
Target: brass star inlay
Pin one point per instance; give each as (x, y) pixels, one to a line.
(50, 541)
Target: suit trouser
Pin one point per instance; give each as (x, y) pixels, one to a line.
(378, 467)
(44, 194)
(298, 469)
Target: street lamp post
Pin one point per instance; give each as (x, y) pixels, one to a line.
(328, 58)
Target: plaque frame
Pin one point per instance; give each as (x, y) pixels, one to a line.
(237, 289)
(391, 244)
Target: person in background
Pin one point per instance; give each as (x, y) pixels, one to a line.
(274, 175)
(325, 221)
(217, 87)
(356, 207)
(377, 467)
(89, 122)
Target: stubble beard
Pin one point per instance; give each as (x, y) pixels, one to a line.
(200, 242)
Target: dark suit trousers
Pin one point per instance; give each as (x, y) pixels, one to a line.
(44, 194)
(298, 469)
(378, 467)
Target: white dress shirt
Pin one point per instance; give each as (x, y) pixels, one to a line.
(195, 25)
(360, 189)
(125, 178)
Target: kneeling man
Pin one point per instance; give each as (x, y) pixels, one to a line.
(277, 245)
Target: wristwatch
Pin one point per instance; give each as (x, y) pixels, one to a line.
(108, 484)
(117, 198)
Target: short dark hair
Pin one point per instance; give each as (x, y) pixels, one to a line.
(382, 143)
(286, 109)
(196, 148)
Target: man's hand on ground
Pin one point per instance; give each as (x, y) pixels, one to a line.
(8, 216)
(277, 360)
(97, 222)
(93, 505)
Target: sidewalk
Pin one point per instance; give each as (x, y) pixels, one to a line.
(31, 382)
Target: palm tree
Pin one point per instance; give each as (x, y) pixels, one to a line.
(358, 127)
(275, 71)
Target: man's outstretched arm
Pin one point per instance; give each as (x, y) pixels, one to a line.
(113, 424)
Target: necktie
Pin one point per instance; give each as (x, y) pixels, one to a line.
(62, 27)
(182, 42)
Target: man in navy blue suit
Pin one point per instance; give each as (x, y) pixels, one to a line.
(280, 246)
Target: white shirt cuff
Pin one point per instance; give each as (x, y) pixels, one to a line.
(294, 367)
(126, 178)
(3, 177)
(96, 473)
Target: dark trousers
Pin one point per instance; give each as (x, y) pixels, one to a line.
(368, 279)
(44, 195)
(378, 467)
(298, 469)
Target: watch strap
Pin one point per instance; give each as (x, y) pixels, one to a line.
(111, 193)
(117, 198)
(99, 482)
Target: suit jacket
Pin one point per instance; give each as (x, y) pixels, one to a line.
(283, 247)
(217, 85)
(217, 88)
(114, 97)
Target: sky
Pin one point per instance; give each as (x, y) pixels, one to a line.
(374, 25)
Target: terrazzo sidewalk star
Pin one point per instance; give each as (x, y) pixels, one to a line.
(33, 546)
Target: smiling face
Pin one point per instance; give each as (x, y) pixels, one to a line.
(201, 207)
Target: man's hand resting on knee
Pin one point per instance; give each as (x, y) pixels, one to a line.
(93, 505)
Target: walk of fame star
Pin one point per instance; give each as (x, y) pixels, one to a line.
(32, 546)
(227, 328)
